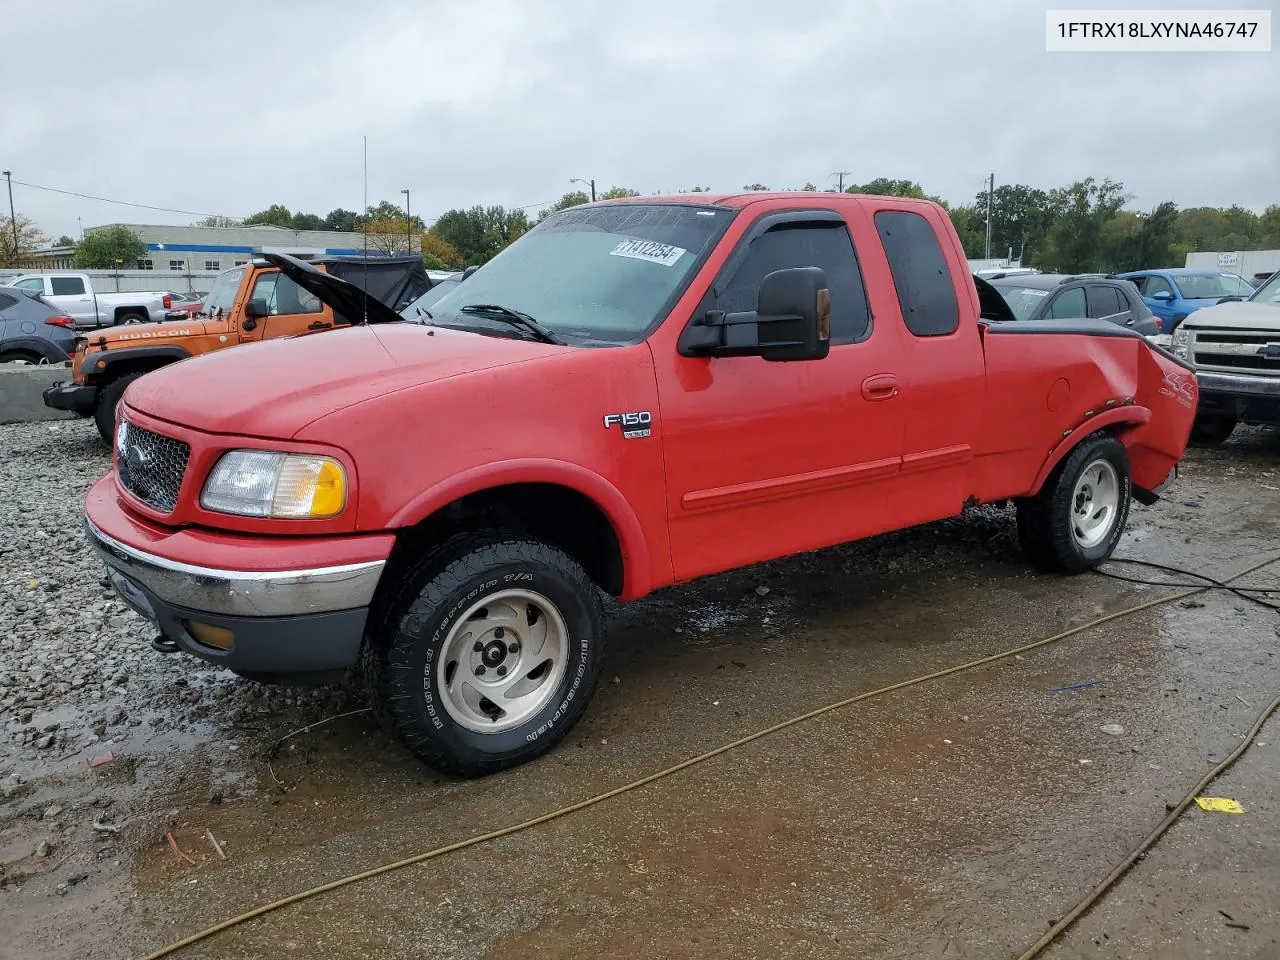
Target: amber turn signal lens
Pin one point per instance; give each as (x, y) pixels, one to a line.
(220, 638)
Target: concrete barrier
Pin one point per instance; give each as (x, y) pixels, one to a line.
(21, 387)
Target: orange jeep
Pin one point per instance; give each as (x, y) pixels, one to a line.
(246, 304)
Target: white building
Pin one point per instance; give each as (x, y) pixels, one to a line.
(188, 250)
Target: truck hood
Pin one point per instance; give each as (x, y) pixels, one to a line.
(1239, 315)
(131, 333)
(275, 388)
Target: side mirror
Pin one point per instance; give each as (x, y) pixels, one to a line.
(256, 309)
(470, 270)
(1162, 295)
(1229, 299)
(792, 321)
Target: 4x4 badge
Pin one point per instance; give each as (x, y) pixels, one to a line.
(635, 424)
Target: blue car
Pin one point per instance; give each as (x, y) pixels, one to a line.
(1174, 293)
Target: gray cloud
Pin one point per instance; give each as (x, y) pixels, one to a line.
(229, 108)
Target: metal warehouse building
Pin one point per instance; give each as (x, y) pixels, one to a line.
(188, 250)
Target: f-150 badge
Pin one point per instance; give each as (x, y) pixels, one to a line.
(635, 425)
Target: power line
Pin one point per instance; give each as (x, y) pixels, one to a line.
(123, 203)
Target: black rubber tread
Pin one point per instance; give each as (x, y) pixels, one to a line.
(1044, 521)
(104, 414)
(416, 611)
(28, 355)
(1212, 430)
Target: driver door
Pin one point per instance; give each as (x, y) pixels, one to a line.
(292, 310)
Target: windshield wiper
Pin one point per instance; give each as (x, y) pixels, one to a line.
(515, 318)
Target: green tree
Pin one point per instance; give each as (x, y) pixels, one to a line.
(1020, 219)
(276, 215)
(971, 226)
(1080, 211)
(64, 241)
(1269, 228)
(574, 198)
(619, 193)
(755, 186)
(480, 233)
(216, 221)
(116, 246)
(346, 221)
(307, 221)
(885, 187)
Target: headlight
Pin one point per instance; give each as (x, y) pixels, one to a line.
(260, 483)
(1181, 336)
(122, 437)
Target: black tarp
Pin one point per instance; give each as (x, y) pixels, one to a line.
(394, 281)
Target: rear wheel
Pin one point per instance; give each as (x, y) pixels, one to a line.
(30, 356)
(104, 415)
(133, 318)
(488, 655)
(1076, 520)
(1212, 429)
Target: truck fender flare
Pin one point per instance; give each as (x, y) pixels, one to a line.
(626, 525)
(115, 359)
(1128, 415)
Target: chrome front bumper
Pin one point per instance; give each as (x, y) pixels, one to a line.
(237, 593)
(1238, 384)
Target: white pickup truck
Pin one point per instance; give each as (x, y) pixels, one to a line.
(1235, 347)
(73, 294)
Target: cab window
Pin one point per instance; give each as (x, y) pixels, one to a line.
(283, 296)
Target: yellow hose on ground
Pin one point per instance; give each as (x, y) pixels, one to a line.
(693, 761)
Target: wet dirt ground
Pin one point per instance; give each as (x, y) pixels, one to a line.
(955, 818)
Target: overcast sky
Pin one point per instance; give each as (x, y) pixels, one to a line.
(230, 106)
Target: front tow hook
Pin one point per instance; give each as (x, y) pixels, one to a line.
(163, 644)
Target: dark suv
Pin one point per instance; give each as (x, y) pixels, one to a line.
(1057, 296)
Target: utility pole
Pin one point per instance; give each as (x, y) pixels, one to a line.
(586, 183)
(13, 217)
(991, 188)
(408, 222)
(840, 175)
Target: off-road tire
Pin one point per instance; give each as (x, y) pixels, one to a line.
(409, 629)
(1212, 430)
(104, 414)
(1045, 522)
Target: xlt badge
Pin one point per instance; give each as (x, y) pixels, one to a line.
(635, 425)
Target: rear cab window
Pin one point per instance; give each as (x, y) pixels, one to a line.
(926, 290)
(66, 286)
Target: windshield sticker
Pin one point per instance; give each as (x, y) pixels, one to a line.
(1034, 293)
(649, 250)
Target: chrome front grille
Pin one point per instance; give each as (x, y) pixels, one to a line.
(151, 466)
(1237, 351)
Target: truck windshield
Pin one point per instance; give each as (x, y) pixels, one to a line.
(222, 295)
(1269, 292)
(597, 273)
(1212, 287)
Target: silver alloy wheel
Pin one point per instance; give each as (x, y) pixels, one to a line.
(1095, 503)
(502, 661)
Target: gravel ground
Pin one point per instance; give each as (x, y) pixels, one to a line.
(76, 674)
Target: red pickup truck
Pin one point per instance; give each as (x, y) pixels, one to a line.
(634, 394)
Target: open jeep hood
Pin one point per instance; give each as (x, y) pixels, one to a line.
(343, 296)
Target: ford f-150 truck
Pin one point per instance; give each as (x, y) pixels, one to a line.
(633, 394)
(73, 294)
(246, 304)
(1235, 348)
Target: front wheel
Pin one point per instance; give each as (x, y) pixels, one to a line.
(1074, 523)
(104, 414)
(1212, 429)
(489, 654)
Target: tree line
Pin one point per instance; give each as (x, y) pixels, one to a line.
(1082, 227)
